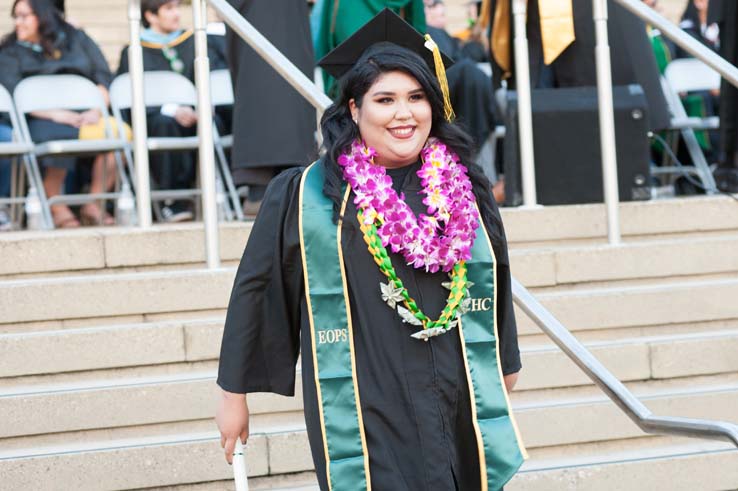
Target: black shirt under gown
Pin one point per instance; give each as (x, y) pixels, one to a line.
(414, 394)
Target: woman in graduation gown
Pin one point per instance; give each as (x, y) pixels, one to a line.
(43, 43)
(390, 240)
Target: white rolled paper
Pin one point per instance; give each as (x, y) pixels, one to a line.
(239, 467)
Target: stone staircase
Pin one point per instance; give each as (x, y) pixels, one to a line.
(109, 341)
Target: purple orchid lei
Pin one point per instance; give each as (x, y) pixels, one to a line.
(434, 241)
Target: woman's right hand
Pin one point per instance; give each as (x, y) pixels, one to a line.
(232, 418)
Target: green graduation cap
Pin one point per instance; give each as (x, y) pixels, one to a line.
(387, 26)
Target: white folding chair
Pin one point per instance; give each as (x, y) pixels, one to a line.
(160, 88)
(682, 76)
(19, 150)
(71, 92)
(221, 94)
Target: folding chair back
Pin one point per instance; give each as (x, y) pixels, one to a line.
(160, 87)
(18, 148)
(221, 88)
(68, 92)
(691, 74)
(44, 92)
(165, 87)
(221, 94)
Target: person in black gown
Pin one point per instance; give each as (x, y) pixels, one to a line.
(414, 396)
(725, 13)
(273, 125)
(632, 58)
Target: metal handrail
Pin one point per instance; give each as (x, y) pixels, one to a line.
(602, 377)
(682, 39)
(610, 385)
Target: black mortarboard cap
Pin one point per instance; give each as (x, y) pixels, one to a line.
(386, 26)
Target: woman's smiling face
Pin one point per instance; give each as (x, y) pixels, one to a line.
(26, 23)
(395, 118)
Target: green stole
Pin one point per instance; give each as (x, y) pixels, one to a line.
(500, 448)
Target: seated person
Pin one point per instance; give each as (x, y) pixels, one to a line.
(694, 22)
(166, 46)
(43, 43)
(703, 103)
(5, 136)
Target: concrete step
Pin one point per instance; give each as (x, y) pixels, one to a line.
(90, 254)
(114, 295)
(59, 350)
(146, 462)
(114, 248)
(565, 265)
(547, 417)
(654, 464)
(684, 466)
(643, 463)
(82, 349)
(638, 306)
(645, 218)
(110, 295)
(299, 481)
(84, 406)
(110, 248)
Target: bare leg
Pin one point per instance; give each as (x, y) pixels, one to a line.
(103, 179)
(61, 213)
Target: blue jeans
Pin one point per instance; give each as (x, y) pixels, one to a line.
(6, 135)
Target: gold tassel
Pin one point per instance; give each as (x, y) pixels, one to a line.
(441, 74)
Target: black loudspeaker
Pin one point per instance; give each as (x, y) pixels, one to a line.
(566, 141)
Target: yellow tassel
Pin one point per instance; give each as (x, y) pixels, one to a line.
(441, 74)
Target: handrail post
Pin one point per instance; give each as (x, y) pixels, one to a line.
(525, 111)
(607, 122)
(205, 134)
(138, 116)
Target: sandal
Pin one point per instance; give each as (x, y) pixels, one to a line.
(64, 217)
(91, 216)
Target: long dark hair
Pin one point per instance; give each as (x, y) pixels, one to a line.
(51, 24)
(339, 130)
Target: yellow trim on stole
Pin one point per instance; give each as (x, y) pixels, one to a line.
(351, 341)
(175, 42)
(312, 326)
(521, 445)
(475, 419)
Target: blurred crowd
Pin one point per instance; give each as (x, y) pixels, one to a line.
(273, 126)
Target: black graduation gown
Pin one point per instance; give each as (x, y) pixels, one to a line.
(414, 395)
(632, 58)
(725, 13)
(79, 56)
(273, 125)
(153, 57)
